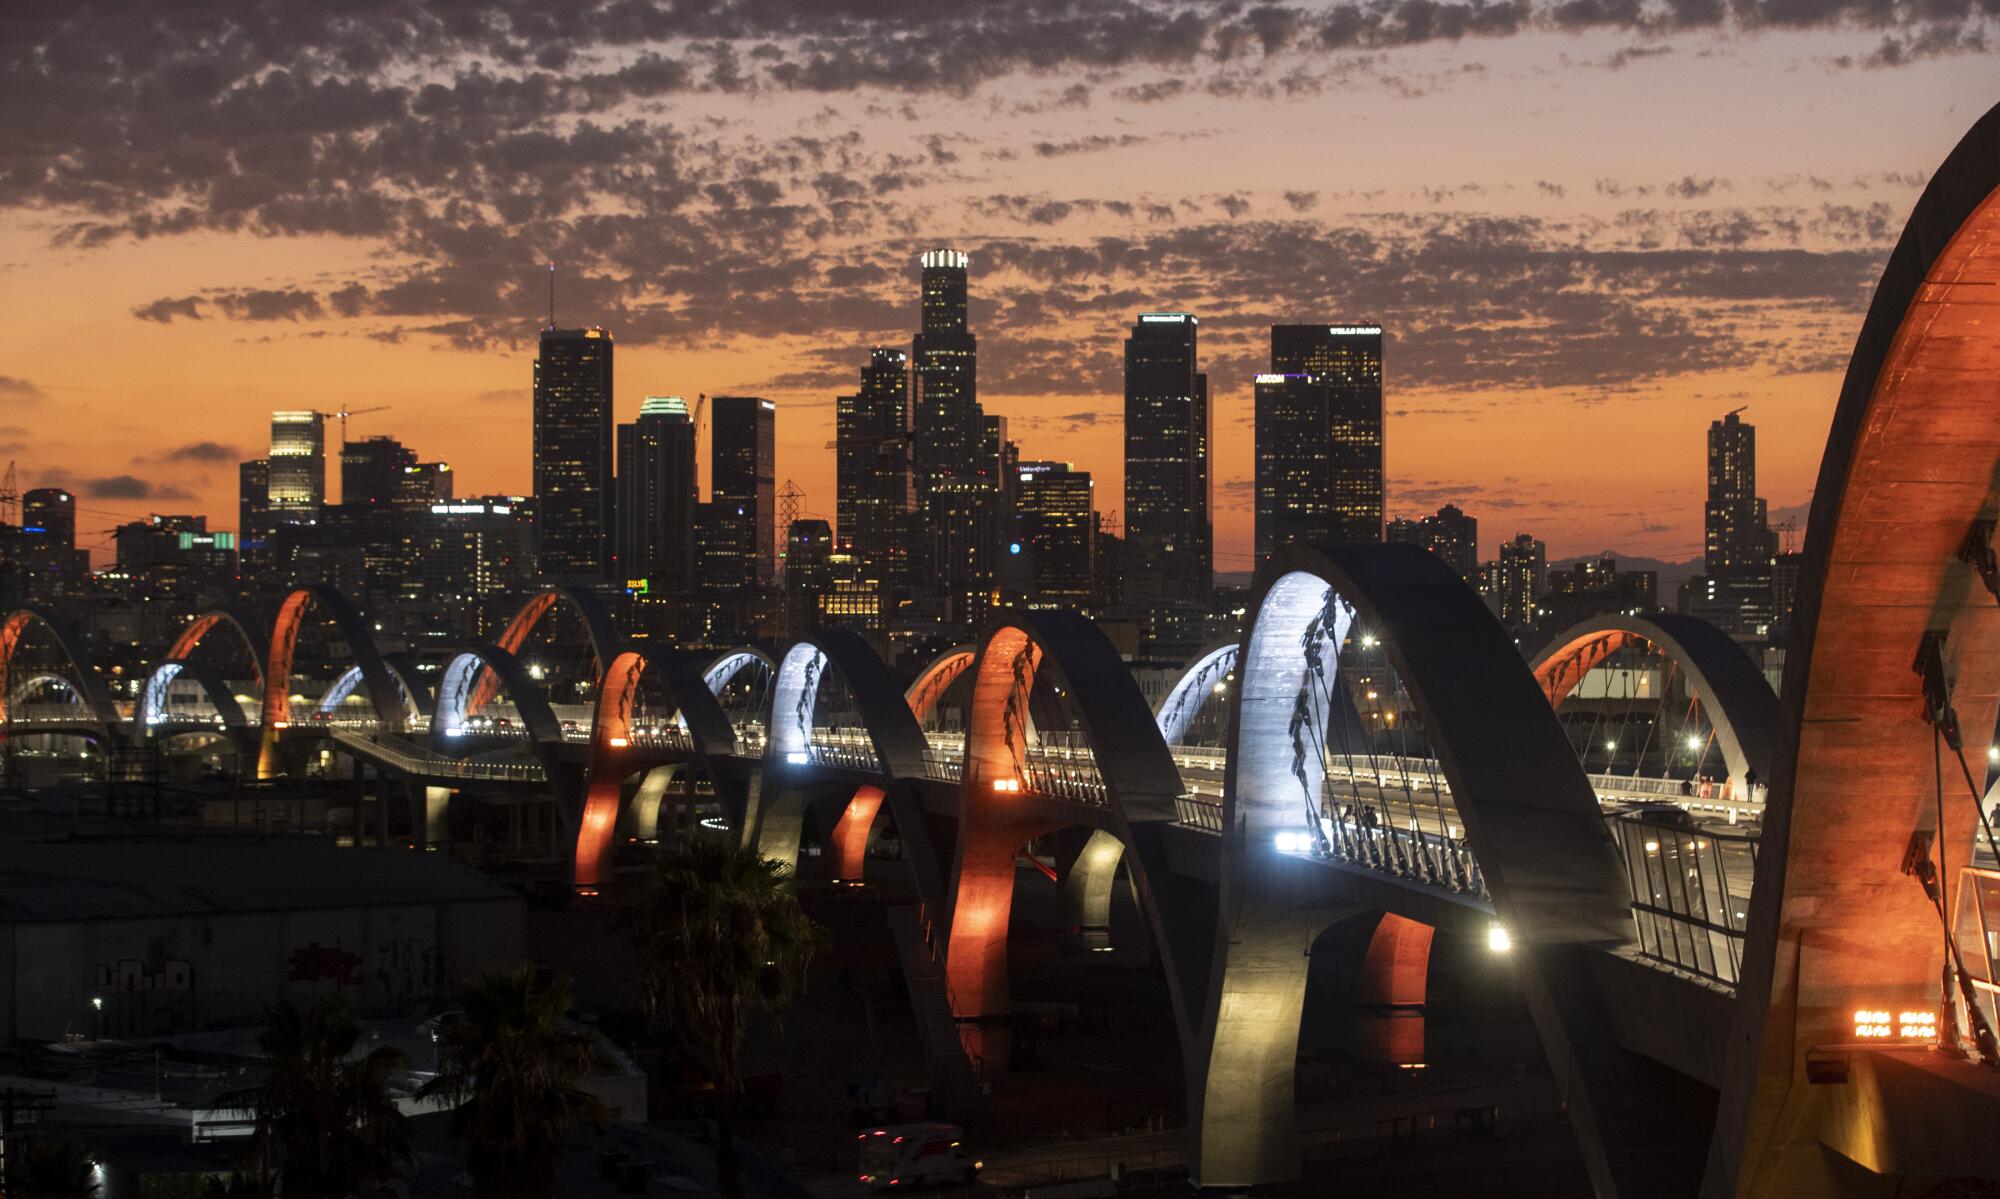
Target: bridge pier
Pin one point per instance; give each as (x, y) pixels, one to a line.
(847, 845)
(429, 816)
(1087, 882)
(1395, 975)
(1245, 1109)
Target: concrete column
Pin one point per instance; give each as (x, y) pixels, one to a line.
(847, 845)
(1249, 1121)
(644, 815)
(780, 820)
(1087, 889)
(1390, 991)
(436, 827)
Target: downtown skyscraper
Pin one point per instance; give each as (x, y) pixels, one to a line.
(956, 480)
(1168, 528)
(743, 487)
(572, 455)
(875, 493)
(1739, 548)
(1346, 360)
(656, 496)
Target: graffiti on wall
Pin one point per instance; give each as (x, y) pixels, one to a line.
(323, 963)
(134, 999)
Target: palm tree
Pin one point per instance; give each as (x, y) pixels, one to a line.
(718, 932)
(327, 1122)
(512, 1063)
(50, 1168)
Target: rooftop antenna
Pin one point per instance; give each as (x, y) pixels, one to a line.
(552, 295)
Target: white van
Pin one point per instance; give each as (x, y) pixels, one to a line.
(901, 1156)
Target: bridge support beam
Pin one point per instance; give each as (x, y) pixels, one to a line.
(847, 846)
(777, 823)
(432, 826)
(643, 817)
(1395, 974)
(1248, 1117)
(1087, 886)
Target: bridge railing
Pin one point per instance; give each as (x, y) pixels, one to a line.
(1976, 929)
(1417, 854)
(1690, 889)
(850, 749)
(412, 760)
(50, 714)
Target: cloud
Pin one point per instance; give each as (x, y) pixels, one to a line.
(166, 309)
(203, 451)
(15, 390)
(130, 487)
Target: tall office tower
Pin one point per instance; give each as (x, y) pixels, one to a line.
(573, 465)
(253, 517)
(954, 490)
(371, 472)
(656, 495)
(808, 570)
(297, 479)
(50, 567)
(1347, 359)
(1166, 452)
(1522, 578)
(1293, 476)
(50, 512)
(743, 467)
(472, 551)
(1056, 526)
(876, 496)
(1739, 547)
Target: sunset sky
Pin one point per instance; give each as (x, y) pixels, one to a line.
(1589, 227)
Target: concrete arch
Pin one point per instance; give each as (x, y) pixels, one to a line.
(589, 609)
(886, 717)
(725, 666)
(152, 708)
(1912, 461)
(1730, 687)
(411, 692)
(462, 677)
(1141, 783)
(924, 693)
(89, 687)
(1183, 702)
(382, 693)
(848, 842)
(246, 629)
(885, 714)
(614, 758)
(1529, 814)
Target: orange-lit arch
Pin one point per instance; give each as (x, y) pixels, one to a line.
(849, 840)
(1730, 687)
(936, 679)
(15, 626)
(614, 757)
(383, 694)
(588, 608)
(200, 627)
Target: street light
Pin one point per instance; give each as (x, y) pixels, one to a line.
(1694, 742)
(1497, 939)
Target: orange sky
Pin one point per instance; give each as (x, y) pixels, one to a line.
(1580, 262)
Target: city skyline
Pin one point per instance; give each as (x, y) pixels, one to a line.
(237, 302)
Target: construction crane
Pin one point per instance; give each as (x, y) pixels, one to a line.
(346, 412)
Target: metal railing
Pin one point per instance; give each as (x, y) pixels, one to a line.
(1690, 888)
(412, 760)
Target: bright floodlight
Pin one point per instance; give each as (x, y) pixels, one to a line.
(796, 758)
(1993, 753)
(1497, 939)
(1694, 742)
(1368, 641)
(1611, 745)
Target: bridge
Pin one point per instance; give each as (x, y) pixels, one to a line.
(1730, 910)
